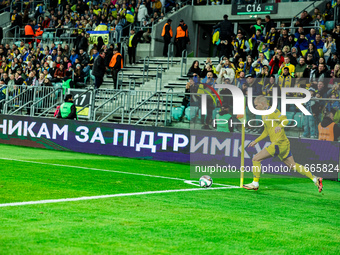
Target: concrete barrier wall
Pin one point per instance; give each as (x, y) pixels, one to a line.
(157, 40)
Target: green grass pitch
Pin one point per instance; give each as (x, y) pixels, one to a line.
(285, 216)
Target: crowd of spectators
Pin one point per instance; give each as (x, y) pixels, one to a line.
(268, 58)
(87, 15)
(52, 44)
(276, 58)
(41, 52)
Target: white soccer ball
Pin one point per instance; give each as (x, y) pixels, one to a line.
(205, 181)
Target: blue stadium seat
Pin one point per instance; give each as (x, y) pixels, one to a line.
(298, 117)
(191, 112)
(329, 25)
(214, 113)
(290, 115)
(177, 112)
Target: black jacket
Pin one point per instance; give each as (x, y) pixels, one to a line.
(134, 41)
(84, 59)
(51, 71)
(108, 56)
(268, 26)
(327, 121)
(226, 29)
(98, 68)
(304, 22)
(193, 70)
(100, 43)
(336, 37)
(315, 54)
(331, 62)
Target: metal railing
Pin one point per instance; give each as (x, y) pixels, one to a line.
(184, 61)
(43, 104)
(296, 16)
(134, 98)
(69, 40)
(119, 82)
(317, 26)
(6, 9)
(146, 64)
(124, 52)
(30, 98)
(141, 107)
(20, 97)
(146, 108)
(170, 54)
(132, 83)
(66, 32)
(159, 74)
(336, 14)
(10, 30)
(169, 99)
(110, 106)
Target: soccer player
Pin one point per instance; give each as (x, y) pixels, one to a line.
(280, 146)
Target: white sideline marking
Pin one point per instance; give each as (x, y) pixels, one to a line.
(193, 183)
(94, 169)
(114, 171)
(108, 196)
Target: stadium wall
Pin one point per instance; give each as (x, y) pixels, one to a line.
(197, 147)
(184, 13)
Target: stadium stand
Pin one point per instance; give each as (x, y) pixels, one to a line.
(41, 40)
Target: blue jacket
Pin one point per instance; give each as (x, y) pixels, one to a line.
(257, 88)
(310, 38)
(297, 35)
(332, 105)
(301, 45)
(73, 58)
(24, 57)
(319, 45)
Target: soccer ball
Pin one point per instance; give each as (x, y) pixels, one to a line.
(205, 181)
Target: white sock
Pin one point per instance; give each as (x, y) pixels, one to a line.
(315, 179)
(256, 184)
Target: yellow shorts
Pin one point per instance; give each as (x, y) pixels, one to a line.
(282, 151)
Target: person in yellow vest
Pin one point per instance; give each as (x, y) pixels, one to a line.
(182, 38)
(167, 35)
(116, 64)
(328, 130)
(133, 40)
(285, 79)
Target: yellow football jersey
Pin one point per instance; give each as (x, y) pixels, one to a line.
(272, 121)
(291, 69)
